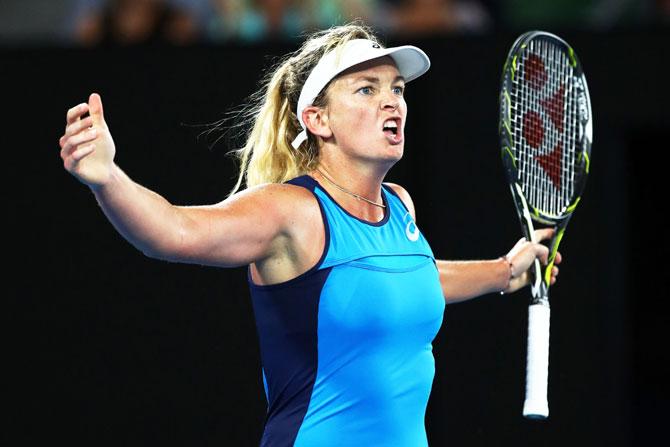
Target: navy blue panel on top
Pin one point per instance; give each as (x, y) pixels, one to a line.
(305, 181)
(286, 320)
(392, 191)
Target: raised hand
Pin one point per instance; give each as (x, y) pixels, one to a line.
(87, 148)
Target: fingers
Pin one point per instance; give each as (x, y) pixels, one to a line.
(71, 143)
(558, 258)
(79, 130)
(524, 253)
(75, 113)
(542, 253)
(75, 157)
(543, 234)
(95, 106)
(82, 152)
(78, 126)
(74, 121)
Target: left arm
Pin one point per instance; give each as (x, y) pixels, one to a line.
(464, 280)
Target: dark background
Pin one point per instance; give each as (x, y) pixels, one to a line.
(106, 346)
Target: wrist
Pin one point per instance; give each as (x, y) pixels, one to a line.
(106, 182)
(508, 275)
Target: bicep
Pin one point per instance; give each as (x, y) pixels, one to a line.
(245, 228)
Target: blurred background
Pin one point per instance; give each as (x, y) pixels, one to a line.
(107, 347)
(95, 23)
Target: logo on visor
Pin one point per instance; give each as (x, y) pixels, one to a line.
(374, 45)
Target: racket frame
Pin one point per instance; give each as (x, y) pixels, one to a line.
(535, 405)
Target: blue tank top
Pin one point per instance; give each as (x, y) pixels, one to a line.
(346, 347)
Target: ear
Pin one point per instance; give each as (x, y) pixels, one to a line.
(316, 121)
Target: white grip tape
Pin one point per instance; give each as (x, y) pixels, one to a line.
(537, 362)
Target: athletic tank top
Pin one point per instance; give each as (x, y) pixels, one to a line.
(346, 347)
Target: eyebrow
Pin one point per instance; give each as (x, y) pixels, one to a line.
(375, 80)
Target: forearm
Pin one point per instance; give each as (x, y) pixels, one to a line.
(464, 280)
(147, 220)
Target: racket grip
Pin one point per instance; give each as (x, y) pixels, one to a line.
(537, 363)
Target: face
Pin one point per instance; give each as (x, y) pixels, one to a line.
(366, 111)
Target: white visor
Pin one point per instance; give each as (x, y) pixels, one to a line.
(410, 60)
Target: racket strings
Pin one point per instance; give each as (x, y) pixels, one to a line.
(544, 123)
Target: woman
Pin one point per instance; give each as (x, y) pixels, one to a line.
(346, 291)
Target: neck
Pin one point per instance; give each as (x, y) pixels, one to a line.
(346, 191)
(361, 197)
(356, 175)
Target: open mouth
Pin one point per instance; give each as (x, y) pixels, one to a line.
(391, 129)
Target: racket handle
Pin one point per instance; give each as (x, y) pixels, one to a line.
(537, 362)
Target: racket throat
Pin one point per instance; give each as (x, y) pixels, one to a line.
(537, 287)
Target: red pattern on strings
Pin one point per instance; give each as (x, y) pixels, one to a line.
(536, 76)
(554, 107)
(534, 72)
(552, 164)
(533, 130)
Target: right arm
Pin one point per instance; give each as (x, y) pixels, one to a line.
(247, 227)
(242, 229)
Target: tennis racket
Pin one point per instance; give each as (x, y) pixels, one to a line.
(545, 128)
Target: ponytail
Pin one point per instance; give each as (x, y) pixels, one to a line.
(267, 156)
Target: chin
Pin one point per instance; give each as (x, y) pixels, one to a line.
(396, 151)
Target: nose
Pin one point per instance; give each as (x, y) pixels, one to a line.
(389, 102)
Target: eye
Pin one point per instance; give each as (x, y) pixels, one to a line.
(365, 90)
(399, 90)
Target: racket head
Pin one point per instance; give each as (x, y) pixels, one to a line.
(545, 126)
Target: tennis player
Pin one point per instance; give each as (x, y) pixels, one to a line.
(346, 291)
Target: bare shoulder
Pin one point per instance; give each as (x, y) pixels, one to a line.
(262, 222)
(280, 200)
(300, 232)
(404, 196)
(297, 201)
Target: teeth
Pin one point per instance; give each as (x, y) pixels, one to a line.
(390, 123)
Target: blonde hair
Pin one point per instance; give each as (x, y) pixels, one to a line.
(267, 156)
